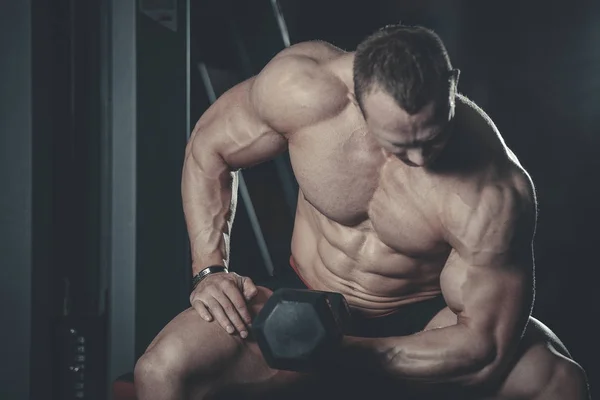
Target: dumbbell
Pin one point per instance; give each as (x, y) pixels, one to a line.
(298, 328)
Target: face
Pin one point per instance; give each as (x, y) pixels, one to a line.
(415, 139)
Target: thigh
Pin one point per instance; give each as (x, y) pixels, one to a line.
(200, 346)
(198, 351)
(543, 369)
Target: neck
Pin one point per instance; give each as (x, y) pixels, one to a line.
(343, 68)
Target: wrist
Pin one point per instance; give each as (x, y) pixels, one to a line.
(365, 353)
(204, 272)
(200, 262)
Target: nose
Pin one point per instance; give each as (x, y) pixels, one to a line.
(416, 157)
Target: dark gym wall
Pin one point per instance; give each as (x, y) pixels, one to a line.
(15, 202)
(26, 127)
(48, 164)
(76, 144)
(46, 114)
(163, 272)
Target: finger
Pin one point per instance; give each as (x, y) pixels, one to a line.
(199, 306)
(239, 303)
(217, 311)
(232, 313)
(249, 288)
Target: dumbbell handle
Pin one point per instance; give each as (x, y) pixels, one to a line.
(340, 310)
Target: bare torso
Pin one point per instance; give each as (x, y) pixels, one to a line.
(371, 227)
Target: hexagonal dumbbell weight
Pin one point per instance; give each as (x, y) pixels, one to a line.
(298, 328)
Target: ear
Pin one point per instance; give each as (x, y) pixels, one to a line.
(352, 98)
(454, 76)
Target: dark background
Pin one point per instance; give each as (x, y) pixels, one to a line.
(534, 67)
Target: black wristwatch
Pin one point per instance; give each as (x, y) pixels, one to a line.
(205, 272)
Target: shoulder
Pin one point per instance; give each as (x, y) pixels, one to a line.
(317, 50)
(304, 67)
(490, 137)
(491, 216)
(298, 87)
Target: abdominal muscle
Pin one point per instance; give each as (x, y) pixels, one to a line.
(375, 279)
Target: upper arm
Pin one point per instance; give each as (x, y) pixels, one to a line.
(251, 122)
(488, 278)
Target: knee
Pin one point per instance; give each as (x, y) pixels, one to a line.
(569, 380)
(161, 364)
(564, 379)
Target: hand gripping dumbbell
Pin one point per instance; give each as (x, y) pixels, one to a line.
(297, 329)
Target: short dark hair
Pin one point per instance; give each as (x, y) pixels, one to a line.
(410, 63)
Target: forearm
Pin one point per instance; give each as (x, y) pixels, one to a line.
(451, 354)
(209, 193)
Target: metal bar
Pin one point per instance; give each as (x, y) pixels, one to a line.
(105, 158)
(243, 189)
(123, 127)
(285, 174)
(188, 107)
(188, 69)
(285, 35)
(16, 200)
(287, 182)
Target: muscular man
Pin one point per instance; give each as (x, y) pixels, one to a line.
(411, 205)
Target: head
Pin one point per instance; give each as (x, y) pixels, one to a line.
(405, 87)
